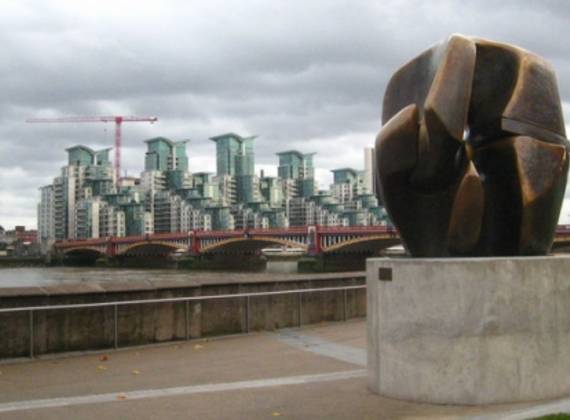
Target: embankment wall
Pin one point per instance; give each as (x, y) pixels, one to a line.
(66, 330)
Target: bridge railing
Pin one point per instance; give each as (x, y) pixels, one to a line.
(202, 234)
(187, 299)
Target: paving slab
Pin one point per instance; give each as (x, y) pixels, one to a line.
(314, 372)
(350, 333)
(189, 363)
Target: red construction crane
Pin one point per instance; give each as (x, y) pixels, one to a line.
(118, 120)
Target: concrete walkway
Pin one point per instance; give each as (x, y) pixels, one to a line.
(315, 372)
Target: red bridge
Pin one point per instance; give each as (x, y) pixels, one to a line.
(313, 240)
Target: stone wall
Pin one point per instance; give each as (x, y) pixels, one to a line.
(68, 330)
(469, 330)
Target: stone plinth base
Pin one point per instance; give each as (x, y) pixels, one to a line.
(469, 331)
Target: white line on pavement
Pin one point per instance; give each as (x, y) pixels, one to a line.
(323, 347)
(182, 390)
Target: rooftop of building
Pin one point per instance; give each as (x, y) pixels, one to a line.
(351, 170)
(231, 135)
(87, 149)
(165, 140)
(295, 152)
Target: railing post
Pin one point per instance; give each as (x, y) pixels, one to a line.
(247, 309)
(116, 326)
(187, 319)
(345, 304)
(31, 319)
(300, 309)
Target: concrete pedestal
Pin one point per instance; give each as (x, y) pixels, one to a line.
(469, 331)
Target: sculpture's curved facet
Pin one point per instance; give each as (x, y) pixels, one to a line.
(472, 157)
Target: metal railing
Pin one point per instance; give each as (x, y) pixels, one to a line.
(187, 299)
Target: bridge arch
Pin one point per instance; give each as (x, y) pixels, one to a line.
(365, 244)
(249, 244)
(144, 248)
(83, 250)
(83, 255)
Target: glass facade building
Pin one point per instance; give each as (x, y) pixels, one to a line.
(165, 155)
(295, 165)
(85, 201)
(234, 155)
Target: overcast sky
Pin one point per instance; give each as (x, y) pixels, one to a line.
(308, 75)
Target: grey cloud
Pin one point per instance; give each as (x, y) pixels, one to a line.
(308, 75)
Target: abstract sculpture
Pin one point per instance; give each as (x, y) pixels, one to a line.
(472, 157)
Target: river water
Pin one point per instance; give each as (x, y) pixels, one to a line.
(44, 276)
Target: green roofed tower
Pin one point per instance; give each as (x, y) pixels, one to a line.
(234, 155)
(80, 155)
(166, 155)
(296, 165)
(345, 175)
(297, 171)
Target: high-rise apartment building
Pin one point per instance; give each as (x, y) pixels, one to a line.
(165, 155)
(369, 170)
(111, 221)
(347, 184)
(298, 173)
(46, 217)
(234, 154)
(272, 191)
(235, 168)
(296, 165)
(166, 164)
(85, 202)
(88, 173)
(87, 218)
(205, 185)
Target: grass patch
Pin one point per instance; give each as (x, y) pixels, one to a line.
(559, 416)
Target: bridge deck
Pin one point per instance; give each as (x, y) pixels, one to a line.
(311, 239)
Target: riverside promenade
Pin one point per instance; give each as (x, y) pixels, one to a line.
(313, 372)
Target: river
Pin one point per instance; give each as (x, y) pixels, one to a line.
(44, 276)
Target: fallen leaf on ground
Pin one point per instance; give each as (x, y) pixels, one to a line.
(136, 372)
(276, 414)
(198, 347)
(101, 367)
(104, 358)
(122, 396)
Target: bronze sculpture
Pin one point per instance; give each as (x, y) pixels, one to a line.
(472, 157)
